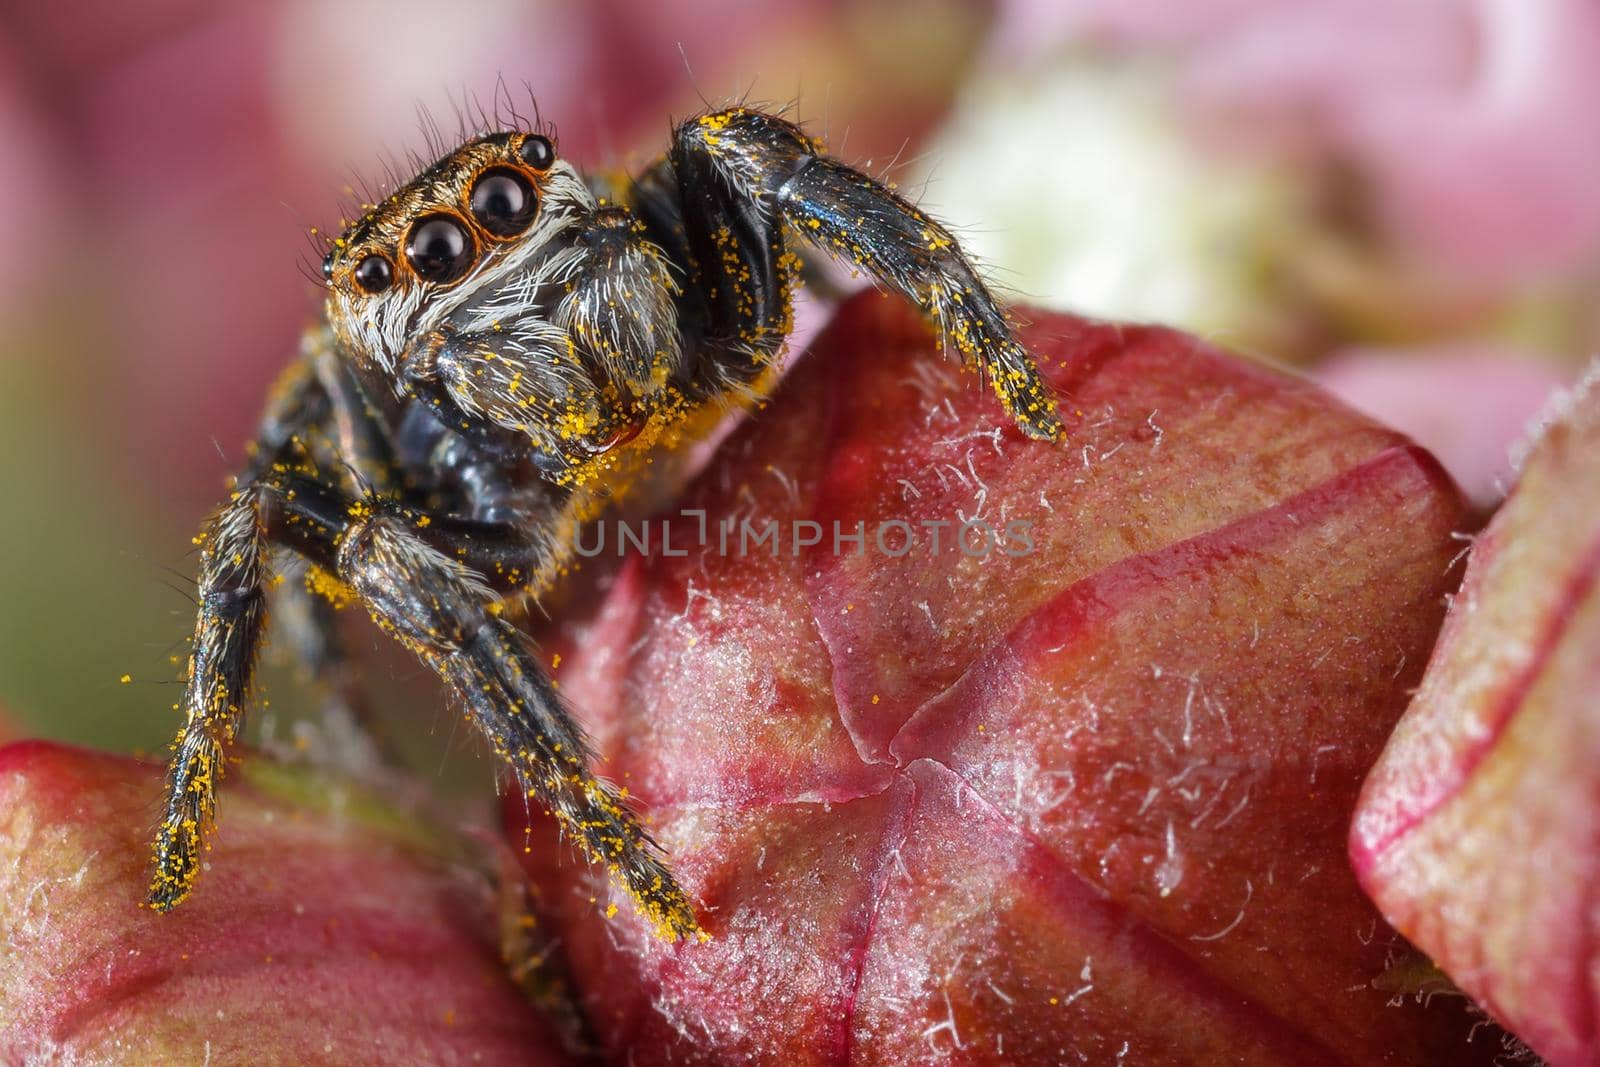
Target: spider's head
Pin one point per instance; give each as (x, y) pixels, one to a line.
(445, 290)
(460, 226)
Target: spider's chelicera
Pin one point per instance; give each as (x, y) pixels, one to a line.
(505, 341)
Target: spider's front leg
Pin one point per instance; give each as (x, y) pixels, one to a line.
(415, 576)
(228, 630)
(444, 612)
(316, 417)
(741, 172)
(235, 571)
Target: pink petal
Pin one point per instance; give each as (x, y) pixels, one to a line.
(1477, 830)
(1471, 123)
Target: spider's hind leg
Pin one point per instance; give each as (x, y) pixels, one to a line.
(748, 172)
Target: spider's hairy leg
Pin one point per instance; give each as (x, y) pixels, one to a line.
(315, 416)
(738, 300)
(415, 575)
(227, 634)
(773, 164)
(235, 570)
(444, 612)
(431, 599)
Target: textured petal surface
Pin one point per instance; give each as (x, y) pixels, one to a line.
(1478, 830)
(322, 936)
(1083, 795)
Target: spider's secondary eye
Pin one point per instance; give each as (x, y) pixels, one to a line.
(372, 274)
(439, 249)
(537, 152)
(503, 202)
(327, 267)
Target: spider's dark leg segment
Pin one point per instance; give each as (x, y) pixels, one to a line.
(311, 516)
(235, 558)
(300, 427)
(441, 610)
(774, 171)
(444, 611)
(233, 577)
(739, 275)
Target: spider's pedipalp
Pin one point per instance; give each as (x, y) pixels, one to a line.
(620, 303)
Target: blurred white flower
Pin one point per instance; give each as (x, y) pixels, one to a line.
(1077, 187)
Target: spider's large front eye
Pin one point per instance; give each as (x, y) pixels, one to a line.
(439, 249)
(503, 202)
(373, 274)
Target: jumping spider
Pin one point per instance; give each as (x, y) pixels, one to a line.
(504, 339)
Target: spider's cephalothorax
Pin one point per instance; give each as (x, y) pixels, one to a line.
(502, 337)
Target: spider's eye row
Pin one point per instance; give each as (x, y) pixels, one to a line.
(537, 152)
(503, 202)
(373, 273)
(439, 248)
(327, 267)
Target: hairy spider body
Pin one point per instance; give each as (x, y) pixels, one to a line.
(505, 343)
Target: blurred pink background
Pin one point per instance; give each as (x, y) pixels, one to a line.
(1403, 199)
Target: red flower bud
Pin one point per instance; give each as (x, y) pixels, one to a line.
(324, 935)
(1082, 795)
